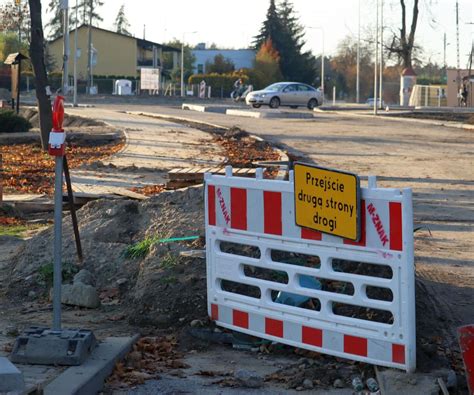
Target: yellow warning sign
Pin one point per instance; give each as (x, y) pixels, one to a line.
(327, 200)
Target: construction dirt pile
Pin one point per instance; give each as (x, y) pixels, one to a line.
(161, 287)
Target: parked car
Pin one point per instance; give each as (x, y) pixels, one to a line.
(292, 94)
(370, 101)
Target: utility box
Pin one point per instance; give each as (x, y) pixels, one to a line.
(14, 60)
(123, 87)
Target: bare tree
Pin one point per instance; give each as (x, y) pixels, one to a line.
(402, 45)
(38, 62)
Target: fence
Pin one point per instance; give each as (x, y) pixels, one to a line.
(429, 96)
(269, 278)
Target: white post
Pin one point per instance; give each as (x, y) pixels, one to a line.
(376, 60)
(75, 61)
(333, 95)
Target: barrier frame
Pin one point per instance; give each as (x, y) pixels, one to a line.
(392, 345)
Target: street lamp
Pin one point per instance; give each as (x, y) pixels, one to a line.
(322, 57)
(182, 63)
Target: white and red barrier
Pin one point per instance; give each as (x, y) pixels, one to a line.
(261, 213)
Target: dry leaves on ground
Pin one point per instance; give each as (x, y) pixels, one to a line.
(29, 169)
(150, 356)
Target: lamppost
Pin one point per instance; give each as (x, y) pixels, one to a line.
(75, 60)
(358, 63)
(182, 63)
(322, 57)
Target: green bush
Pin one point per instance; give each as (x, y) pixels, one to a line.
(12, 123)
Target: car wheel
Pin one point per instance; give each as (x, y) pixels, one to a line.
(256, 105)
(293, 107)
(275, 102)
(312, 104)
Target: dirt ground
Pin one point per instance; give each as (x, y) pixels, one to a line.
(434, 161)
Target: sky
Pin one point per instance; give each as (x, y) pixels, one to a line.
(233, 24)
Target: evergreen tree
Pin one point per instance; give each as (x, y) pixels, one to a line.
(55, 25)
(84, 11)
(282, 27)
(121, 23)
(271, 29)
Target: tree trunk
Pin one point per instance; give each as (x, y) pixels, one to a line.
(37, 60)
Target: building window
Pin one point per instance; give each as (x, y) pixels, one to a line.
(200, 69)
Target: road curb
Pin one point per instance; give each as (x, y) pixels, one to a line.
(283, 156)
(448, 124)
(89, 377)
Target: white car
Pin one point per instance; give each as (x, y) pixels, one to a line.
(292, 94)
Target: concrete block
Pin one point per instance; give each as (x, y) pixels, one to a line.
(90, 376)
(395, 382)
(11, 379)
(203, 108)
(43, 346)
(270, 114)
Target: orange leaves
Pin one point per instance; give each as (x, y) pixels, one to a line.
(28, 169)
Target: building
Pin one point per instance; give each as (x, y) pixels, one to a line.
(115, 54)
(453, 86)
(242, 58)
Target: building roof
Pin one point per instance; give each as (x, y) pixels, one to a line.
(140, 42)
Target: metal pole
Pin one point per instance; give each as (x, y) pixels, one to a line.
(381, 54)
(75, 60)
(322, 66)
(358, 64)
(65, 9)
(182, 68)
(89, 61)
(57, 276)
(376, 60)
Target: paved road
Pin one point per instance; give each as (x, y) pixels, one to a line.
(153, 147)
(436, 161)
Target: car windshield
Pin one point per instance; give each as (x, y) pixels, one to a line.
(275, 87)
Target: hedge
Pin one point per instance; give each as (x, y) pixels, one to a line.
(221, 84)
(12, 123)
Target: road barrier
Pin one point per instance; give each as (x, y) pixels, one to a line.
(270, 278)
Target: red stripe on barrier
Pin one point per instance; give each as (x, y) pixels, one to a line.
(312, 336)
(396, 239)
(363, 224)
(238, 208)
(214, 312)
(211, 204)
(466, 341)
(273, 327)
(240, 318)
(355, 345)
(272, 213)
(398, 353)
(310, 234)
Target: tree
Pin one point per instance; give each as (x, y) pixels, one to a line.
(403, 45)
(282, 27)
(9, 44)
(121, 23)
(343, 69)
(85, 8)
(267, 65)
(15, 19)
(220, 65)
(167, 61)
(56, 23)
(38, 62)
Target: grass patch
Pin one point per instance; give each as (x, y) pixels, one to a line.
(46, 272)
(142, 248)
(17, 230)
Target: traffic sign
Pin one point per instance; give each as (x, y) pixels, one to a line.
(327, 201)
